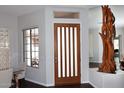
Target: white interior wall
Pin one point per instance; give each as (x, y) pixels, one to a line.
(49, 32)
(91, 45)
(120, 31)
(34, 19)
(10, 23)
(95, 21)
(94, 51)
(45, 21)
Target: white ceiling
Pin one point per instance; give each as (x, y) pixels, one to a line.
(18, 10)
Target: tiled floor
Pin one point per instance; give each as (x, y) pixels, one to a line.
(27, 84)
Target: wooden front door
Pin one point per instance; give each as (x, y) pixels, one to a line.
(67, 53)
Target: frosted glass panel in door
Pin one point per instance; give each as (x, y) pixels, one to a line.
(75, 45)
(63, 52)
(59, 53)
(71, 47)
(67, 50)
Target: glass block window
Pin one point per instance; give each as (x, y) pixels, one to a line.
(31, 47)
(4, 40)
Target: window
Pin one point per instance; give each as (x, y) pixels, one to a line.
(4, 49)
(4, 40)
(69, 15)
(31, 47)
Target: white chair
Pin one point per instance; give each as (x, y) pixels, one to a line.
(6, 78)
(21, 67)
(19, 73)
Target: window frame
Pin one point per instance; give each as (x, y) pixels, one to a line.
(24, 49)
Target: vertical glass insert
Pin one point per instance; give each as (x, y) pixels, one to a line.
(75, 40)
(59, 53)
(71, 44)
(67, 50)
(63, 52)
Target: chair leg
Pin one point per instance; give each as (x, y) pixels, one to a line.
(17, 81)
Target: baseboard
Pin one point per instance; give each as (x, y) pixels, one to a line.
(42, 84)
(93, 85)
(35, 81)
(49, 85)
(84, 82)
(89, 83)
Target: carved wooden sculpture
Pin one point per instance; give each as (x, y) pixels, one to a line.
(108, 34)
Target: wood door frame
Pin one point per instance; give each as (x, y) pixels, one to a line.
(56, 53)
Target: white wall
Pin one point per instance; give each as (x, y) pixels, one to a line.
(49, 30)
(120, 31)
(45, 21)
(10, 23)
(93, 45)
(95, 20)
(33, 19)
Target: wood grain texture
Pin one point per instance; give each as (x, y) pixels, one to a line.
(70, 79)
(107, 35)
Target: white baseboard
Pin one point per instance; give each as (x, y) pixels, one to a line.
(48, 85)
(89, 83)
(84, 82)
(35, 81)
(93, 85)
(43, 84)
